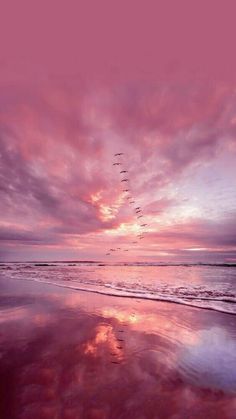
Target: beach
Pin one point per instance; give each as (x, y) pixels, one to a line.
(75, 354)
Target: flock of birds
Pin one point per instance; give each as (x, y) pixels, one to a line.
(129, 197)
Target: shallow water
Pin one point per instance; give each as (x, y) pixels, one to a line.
(204, 286)
(71, 355)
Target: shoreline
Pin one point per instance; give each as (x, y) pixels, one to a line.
(124, 294)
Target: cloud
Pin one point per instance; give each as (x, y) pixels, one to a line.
(56, 152)
(202, 233)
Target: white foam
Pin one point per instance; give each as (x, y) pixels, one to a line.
(218, 296)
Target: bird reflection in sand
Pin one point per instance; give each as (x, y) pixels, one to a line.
(105, 340)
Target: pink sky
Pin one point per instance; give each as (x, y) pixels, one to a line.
(81, 81)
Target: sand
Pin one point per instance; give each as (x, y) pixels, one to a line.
(69, 354)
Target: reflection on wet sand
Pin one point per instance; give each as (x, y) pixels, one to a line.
(104, 340)
(77, 355)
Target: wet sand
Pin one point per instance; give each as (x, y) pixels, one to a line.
(69, 354)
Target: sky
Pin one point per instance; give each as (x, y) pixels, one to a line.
(81, 81)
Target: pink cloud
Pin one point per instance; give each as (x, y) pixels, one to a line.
(57, 178)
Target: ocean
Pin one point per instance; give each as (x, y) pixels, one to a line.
(206, 286)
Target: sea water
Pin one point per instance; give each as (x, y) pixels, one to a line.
(204, 286)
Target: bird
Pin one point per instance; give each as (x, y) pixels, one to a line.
(140, 216)
(125, 180)
(143, 225)
(126, 190)
(137, 208)
(126, 250)
(138, 211)
(124, 171)
(116, 164)
(132, 202)
(118, 154)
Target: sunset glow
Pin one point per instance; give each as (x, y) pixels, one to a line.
(64, 114)
(117, 209)
(181, 174)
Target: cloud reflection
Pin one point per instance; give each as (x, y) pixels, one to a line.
(81, 355)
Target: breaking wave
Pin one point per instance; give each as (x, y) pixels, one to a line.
(205, 287)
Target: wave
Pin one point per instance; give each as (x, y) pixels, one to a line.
(102, 263)
(223, 304)
(209, 288)
(45, 264)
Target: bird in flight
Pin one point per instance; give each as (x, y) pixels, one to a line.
(138, 211)
(126, 190)
(140, 216)
(124, 171)
(125, 180)
(137, 208)
(118, 154)
(143, 225)
(116, 164)
(132, 202)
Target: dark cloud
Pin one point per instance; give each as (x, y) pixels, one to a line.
(200, 233)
